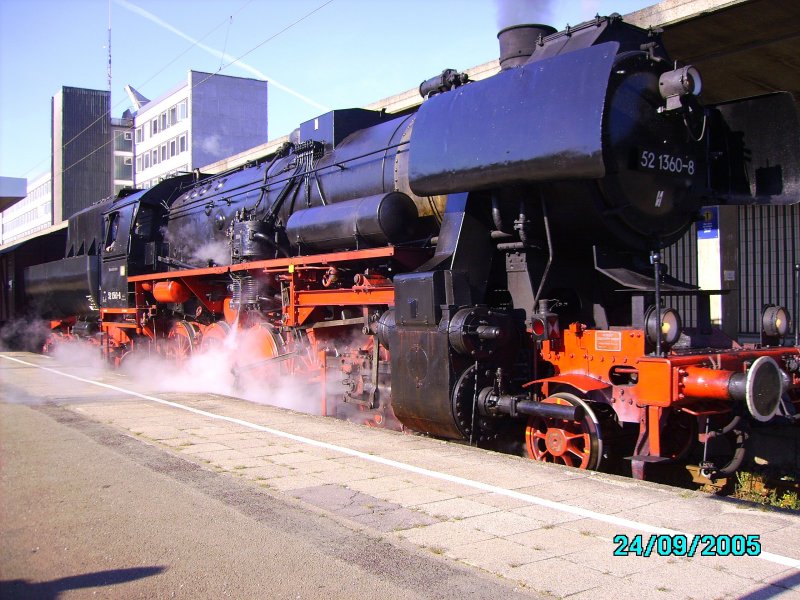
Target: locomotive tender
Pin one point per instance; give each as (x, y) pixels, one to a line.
(486, 267)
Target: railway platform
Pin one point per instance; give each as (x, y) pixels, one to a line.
(552, 530)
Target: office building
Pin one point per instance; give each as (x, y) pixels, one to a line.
(201, 121)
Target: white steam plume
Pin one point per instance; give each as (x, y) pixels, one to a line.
(228, 369)
(19, 334)
(194, 243)
(519, 12)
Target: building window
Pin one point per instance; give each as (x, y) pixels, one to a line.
(154, 127)
(182, 143)
(183, 110)
(147, 160)
(163, 152)
(123, 167)
(172, 148)
(122, 141)
(163, 121)
(173, 115)
(154, 162)
(139, 134)
(138, 163)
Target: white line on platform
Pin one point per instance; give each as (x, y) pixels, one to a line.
(478, 485)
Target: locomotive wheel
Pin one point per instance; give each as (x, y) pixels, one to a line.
(572, 443)
(464, 400)
(305, 360)
(262, 341)
(214, 336)
(257, 345)
(182, 341)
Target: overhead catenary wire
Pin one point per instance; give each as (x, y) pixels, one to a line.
(225, 45)
(148, 80)
(222, 67)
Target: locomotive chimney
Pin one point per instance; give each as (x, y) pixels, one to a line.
(518, 42)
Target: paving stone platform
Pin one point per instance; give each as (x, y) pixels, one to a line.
(453, 511)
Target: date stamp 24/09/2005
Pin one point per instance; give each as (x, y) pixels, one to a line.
(682, 545)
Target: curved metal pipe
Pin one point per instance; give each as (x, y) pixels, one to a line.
(546, 221)
(272, 243)
(497, 217)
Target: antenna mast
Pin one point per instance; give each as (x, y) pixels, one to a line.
(109, 47)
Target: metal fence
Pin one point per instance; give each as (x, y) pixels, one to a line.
(769, 249)
(682, 260)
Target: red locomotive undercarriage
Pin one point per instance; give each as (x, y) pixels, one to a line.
(676, 401)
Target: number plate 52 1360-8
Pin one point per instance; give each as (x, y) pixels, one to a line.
(666, 163)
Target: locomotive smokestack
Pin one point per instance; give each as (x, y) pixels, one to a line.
(518, 42)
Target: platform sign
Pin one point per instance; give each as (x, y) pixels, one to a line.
(708, 227)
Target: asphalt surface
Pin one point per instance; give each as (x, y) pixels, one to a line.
(88, 512)
(110, 487)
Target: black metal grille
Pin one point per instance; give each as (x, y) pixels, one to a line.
(682, 260)
(769, 247)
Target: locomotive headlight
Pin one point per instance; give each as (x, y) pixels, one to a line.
(775, 321)
(668, 325)
(673, 85)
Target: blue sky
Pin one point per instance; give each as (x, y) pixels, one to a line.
(321, 54)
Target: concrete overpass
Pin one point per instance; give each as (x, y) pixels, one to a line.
(741, 47)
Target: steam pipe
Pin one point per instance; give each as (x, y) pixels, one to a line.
(796, 304)
(174, 262)
(270, 242)
(497, 217)
(493, 404)
(655, 257)
(553, 411)
(546, 221)
(712, 471)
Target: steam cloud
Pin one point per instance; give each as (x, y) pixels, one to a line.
(28, 336)
(213, 145)
(82, 358)
(217, 252)
(228, 369)
(518, 12)
(233, 367)
(194, 244)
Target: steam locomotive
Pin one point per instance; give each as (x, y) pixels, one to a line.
(486, 267)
